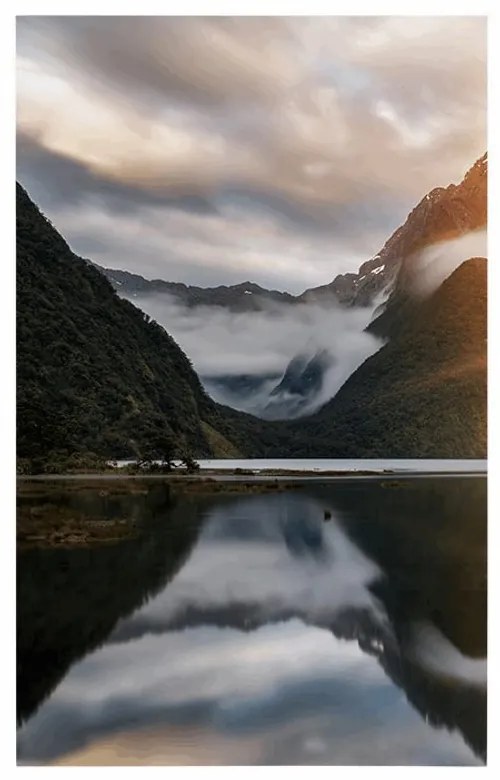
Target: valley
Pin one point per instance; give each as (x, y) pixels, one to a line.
(252, 441)
(287, 381)
(381, 370)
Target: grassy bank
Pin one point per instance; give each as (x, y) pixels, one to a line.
(88, 511)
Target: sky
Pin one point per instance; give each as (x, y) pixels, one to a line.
(216, 150)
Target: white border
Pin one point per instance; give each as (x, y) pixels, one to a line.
(7, 312)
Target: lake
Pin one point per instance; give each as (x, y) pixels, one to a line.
(333, 623)
(421, 465)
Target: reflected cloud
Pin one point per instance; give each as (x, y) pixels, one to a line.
(270, 646)
(279, 679)
(291, 563)
(430, 649)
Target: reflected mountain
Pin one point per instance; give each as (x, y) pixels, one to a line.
(429, 536)
(400, 568)
(427, 539)
(432, 546)
(70, 599)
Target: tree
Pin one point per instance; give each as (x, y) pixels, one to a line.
(190, 463)
(164, 448)
(159, 447)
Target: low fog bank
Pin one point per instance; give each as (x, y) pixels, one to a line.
(434, 264)
(241, 356)
(253, 398)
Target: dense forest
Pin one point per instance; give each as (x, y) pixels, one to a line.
(98, 379)
(95, 376)
(423, 395)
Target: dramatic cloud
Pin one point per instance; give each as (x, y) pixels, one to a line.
(222, 343)
(255, 342)
(291, 147)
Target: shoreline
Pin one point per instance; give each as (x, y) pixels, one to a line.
(244, 475)
(44, 520)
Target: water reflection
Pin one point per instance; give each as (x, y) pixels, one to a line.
(258, 560)
(69, 600)
(280, 637)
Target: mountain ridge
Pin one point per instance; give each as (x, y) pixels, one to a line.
(97, 375)
(94, 373)
(444, 213)
(423, 394)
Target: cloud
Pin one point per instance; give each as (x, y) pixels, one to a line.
(433, 651)
(223, 343)
(431, 267)
(333, 126)
(206, 244)
(192, 238)
(237, 59)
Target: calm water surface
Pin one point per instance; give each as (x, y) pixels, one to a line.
(338, 624)
(345, 464)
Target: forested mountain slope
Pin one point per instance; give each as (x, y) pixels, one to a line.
(423, 395)
(94, 373)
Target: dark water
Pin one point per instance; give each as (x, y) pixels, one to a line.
(251, 629)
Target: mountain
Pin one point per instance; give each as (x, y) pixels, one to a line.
(97, 375)
(423, 395)
(361, 289)
(246, 296)
(303, 374)
(274, 396)
(352, 289)
(300, 384)
(432, 373)
(358, 289)
(247, 392)
(444, 214)
(94, 373)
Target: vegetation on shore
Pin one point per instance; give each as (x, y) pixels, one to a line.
(51, 526)
(54, 514)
